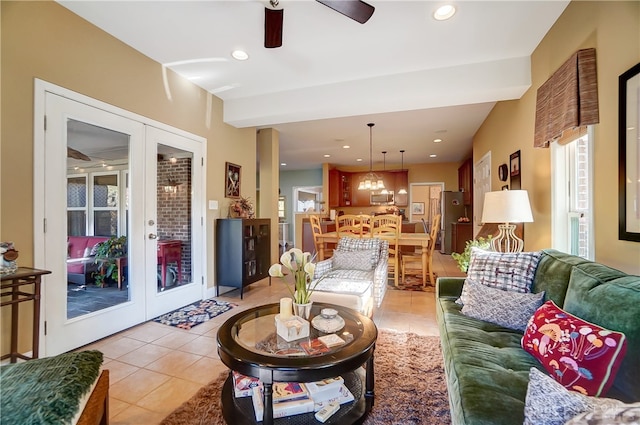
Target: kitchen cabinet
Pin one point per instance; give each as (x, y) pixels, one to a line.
(460, 234)
(243, 253)
(401, 180)
(334, 188)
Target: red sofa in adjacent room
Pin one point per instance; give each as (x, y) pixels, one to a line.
(80, 263)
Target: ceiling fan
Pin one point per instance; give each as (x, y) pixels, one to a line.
(357, 10)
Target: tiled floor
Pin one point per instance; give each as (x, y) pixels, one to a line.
(154, 368)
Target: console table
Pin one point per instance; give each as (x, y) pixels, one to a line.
(11, 286)
(169, 251)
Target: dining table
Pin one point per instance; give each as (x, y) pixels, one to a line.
(405, 239)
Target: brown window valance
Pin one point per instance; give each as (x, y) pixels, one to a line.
(568, 99)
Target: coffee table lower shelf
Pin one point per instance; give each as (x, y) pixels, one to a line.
(240, 410)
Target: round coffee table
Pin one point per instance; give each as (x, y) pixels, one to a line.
(248, 344)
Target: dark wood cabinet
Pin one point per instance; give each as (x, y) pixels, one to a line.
(401, 182)
(343, 188)
(334, 188)
(460, 234)
(465, 181)
(243, 251)
(359, 198)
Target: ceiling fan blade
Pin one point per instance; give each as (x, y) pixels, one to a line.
(357, 10)
(72, 153)
(273, 27)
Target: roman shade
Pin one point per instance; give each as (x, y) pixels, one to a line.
(568, 99)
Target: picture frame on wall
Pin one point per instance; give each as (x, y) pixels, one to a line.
(417, 208)
(514, 164)
(232, 180)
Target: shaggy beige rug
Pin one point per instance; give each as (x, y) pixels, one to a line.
(409, 384)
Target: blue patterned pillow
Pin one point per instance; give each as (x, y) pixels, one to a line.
(510, 271)
(505, 308)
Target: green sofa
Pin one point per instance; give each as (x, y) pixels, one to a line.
(487, 371)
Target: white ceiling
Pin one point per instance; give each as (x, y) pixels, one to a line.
(416, 78)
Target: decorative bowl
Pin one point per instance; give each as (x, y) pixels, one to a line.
(328, 313)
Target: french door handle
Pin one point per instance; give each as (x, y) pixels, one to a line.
(153, 236)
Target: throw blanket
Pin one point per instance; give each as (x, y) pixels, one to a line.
(47, 391)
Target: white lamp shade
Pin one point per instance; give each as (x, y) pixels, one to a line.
(507, 206)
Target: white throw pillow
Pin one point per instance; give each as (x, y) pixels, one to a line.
(353, 260)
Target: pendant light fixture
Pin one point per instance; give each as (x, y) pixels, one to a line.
(370, 181)
(403, 188)
(384, 191)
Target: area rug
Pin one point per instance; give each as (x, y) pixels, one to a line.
(412, 283)
(410, 386)
(194, 314)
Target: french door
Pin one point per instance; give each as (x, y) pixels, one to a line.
(104, 177)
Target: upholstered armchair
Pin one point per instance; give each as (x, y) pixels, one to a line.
(356, 275)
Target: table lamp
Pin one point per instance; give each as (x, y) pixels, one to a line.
(505, 207)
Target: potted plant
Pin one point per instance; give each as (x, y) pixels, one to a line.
(464, 257)
(299, 264)
(106, 254)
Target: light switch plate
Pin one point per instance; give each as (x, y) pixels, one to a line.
(213, 205)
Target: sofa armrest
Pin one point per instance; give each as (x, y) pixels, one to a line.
(449, 286)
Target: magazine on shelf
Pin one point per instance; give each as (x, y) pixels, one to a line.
(314, 347)
(243, 385)
(283, 391)
(325, 389)
(344, 396)
(280, 409)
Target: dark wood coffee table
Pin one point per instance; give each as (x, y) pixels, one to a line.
(247, 343)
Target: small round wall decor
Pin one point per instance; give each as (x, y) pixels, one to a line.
(503, 172)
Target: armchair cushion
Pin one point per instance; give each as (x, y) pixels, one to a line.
(355, 260)
(347, 244)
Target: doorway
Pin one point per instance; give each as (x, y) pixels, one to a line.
(124, 243)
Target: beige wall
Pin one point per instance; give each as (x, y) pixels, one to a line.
(613, 29)
(46, 41)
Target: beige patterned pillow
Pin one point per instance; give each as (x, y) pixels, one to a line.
(354, 260)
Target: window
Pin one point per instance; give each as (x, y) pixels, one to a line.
(572, 205)
(77, 205)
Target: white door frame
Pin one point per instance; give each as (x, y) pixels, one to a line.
(41, 88)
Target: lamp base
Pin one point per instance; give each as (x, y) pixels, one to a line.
(507, 241)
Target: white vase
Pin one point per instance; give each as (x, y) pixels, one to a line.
(302, 310)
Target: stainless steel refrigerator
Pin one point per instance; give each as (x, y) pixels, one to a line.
(452, 209)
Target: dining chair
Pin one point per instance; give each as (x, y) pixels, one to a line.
(349, 225)
(316, 230)
(389, 226)
(416, 258)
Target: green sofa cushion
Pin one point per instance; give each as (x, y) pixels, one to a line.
(552, 274)
(610, 298)
(487, 370)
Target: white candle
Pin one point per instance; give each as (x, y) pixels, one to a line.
(286, 308)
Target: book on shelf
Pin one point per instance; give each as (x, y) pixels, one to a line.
(331, 340)
(343, 396)
(283, 391)
(280, 409)
(314, 347)
(243, 385)
(324, 389)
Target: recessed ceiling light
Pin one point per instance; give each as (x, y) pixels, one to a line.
(359, 160)
(240, 55)
(326, 155)
(284, 164)
(444, 12)
(346, 147)
(433, 155)
(437, 140)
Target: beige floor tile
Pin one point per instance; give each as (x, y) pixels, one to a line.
(135, 415)
(116, 407)
(169, 395)
(203, 345)
(137, 385)
(148, 332)
(144, 355)
(117, 347)
(118, 370)
(175, 339)
(173, 363)
(203, 371)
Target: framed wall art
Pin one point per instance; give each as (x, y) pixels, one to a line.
(417, 208)
(629, 155)
(232, 180)
(514, 164)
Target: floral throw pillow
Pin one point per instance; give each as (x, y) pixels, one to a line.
(505, 308)
(579, 355)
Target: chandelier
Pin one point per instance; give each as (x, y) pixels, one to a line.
(370, 181)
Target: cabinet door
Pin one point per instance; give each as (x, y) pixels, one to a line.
(401, 182)
(335, 189)
(465, 181)
(359, 198)
(345, 187)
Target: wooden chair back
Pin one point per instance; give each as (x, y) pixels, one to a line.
(350, 225)
(389, 227)
(316, 229)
